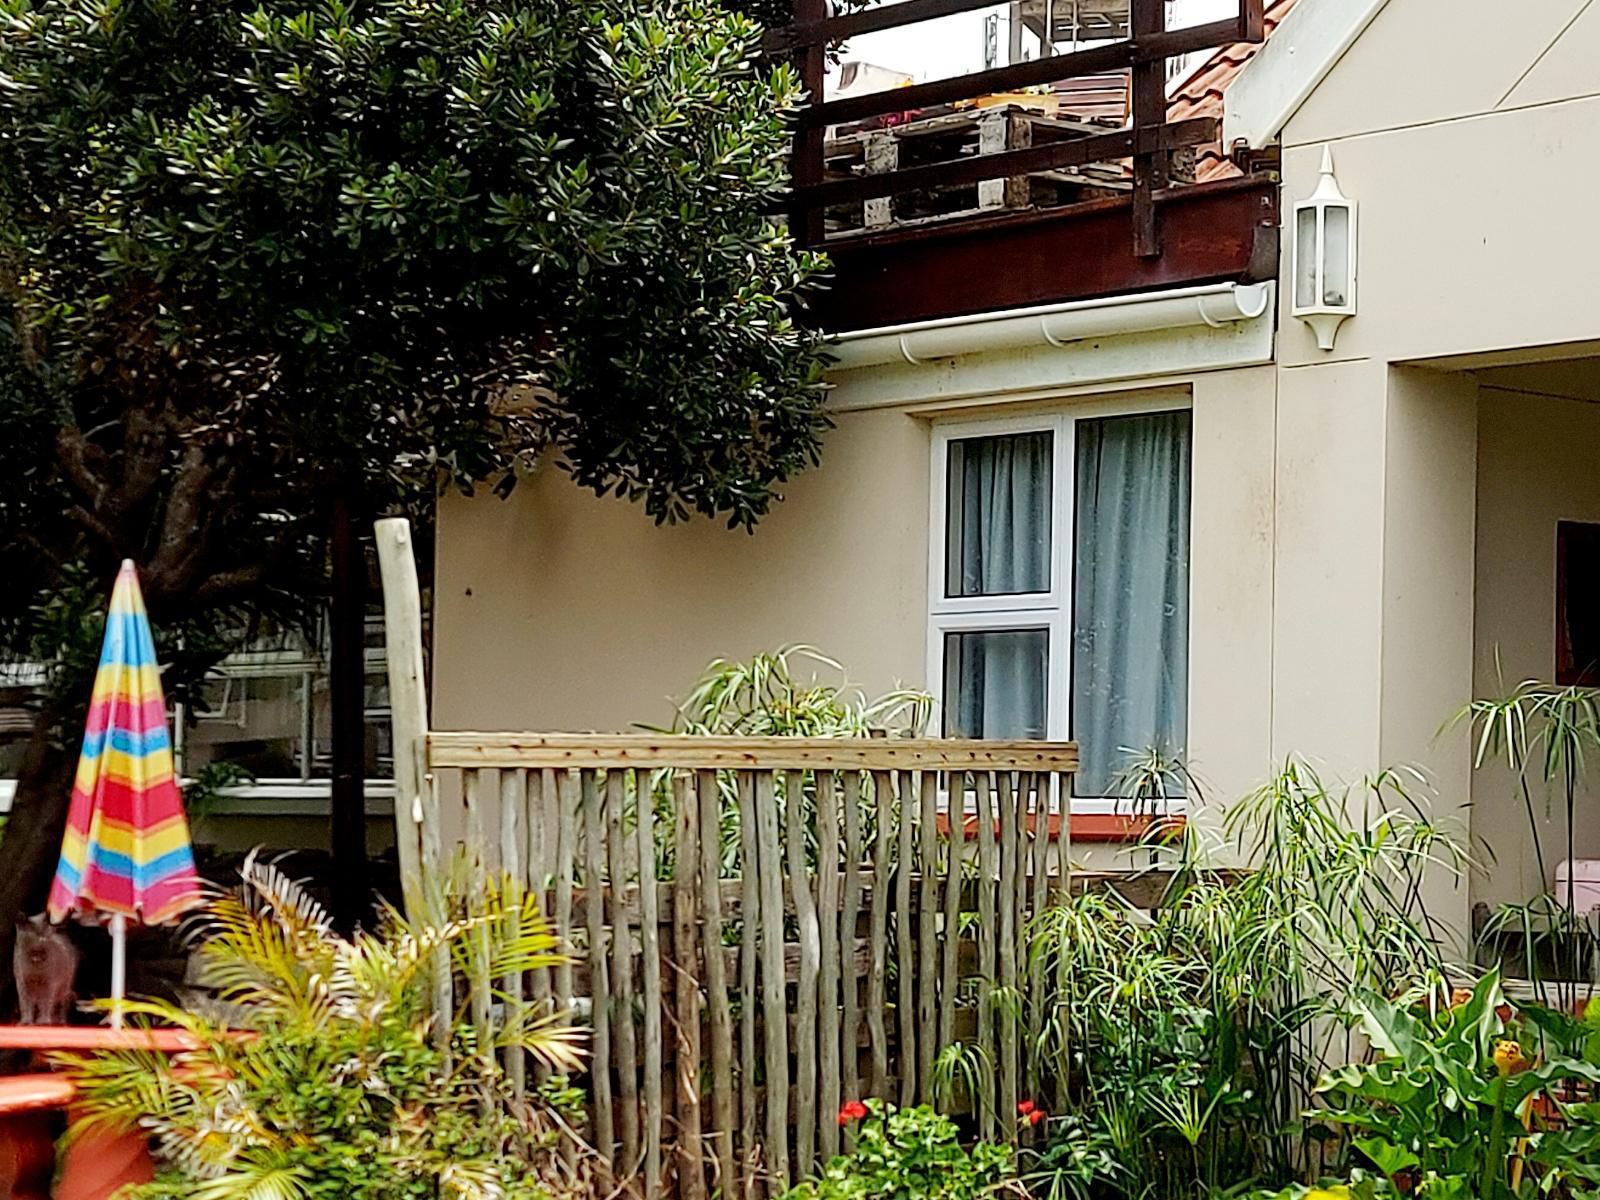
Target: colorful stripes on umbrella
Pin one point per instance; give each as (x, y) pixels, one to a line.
(126, 849)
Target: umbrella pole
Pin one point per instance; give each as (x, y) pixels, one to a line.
(119, 967)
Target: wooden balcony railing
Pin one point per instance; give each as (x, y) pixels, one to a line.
(1147, 142)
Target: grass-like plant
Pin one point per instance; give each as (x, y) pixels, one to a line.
(1184, 1041)
(794, 691)
(1544, 734)
(325, 1071)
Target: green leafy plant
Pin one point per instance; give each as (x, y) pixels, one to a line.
(1468, 1098)
(326, 1075)
(1183, 1041)
(211, 782)
(909, 1154)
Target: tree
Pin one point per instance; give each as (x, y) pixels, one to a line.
(256, 257)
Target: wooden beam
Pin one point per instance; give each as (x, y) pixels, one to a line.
(1252, 20)
(1101, 148)
(805, 223)
(416, 816)
(562, 750)
(1215, 232)
(1150, 168)
(815, 32)
(1157, 47)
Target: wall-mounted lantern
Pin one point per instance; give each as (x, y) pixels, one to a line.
(1325, 257)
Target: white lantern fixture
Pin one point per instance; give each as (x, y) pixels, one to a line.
(1325, 257)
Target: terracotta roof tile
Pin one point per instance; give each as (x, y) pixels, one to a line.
(1200, 95)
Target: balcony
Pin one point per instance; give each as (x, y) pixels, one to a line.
(1059, 175)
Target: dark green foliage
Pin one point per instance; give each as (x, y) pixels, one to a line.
(258, 257)
(249, 254)
(345, 232)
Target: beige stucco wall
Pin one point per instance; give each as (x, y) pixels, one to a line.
(1475, 160)
(1539, 463)
(1469, 133)
(556, 610)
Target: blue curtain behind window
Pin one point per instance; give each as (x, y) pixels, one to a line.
(998, 515)
(1131, 585)
(997, 544)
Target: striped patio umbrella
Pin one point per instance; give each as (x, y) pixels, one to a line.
(126, 853)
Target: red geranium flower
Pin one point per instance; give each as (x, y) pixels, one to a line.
(851, 1110)
(1036, 1116)
(1026, 1106)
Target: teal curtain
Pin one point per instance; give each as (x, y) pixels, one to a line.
(1130, 675)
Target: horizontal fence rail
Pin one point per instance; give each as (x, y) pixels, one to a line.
(761, 929)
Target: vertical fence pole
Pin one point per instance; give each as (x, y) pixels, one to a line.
(927, 946)
(988, 871)
(650, 976)
(831, 966)
(416, 818)
(805, 1011)
(594, 890)
(416, 810)
(749, 943)
(905, 955)
(774, 1006)
(686, 982)
(851, 1037)
(721, 1013)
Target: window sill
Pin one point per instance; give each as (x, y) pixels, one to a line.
(1098, 827)
(1119, 827)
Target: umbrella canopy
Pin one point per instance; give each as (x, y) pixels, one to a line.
(126, 853)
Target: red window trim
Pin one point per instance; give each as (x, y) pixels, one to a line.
(1090, 827)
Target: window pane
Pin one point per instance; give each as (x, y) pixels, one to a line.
(1336, 249)
(997, 517)
(1131, 594)
(994, 683)
(1577, 604)
(1305, 258)
(255, 719)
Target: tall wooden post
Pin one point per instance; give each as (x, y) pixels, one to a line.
(352, 896)
(805, 223)
(416, 819)
(1149, 82)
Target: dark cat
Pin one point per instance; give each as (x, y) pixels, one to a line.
(44, 964)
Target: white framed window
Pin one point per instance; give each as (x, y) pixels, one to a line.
(1059, 582)
(265, 709)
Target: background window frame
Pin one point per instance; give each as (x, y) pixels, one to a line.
(1051, 610)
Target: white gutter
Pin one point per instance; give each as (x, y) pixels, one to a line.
(1059, 325)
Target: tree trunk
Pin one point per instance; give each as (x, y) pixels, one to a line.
(352, 897)
(31, 845)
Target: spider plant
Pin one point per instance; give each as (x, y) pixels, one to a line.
(785, 693)
(1543, 733)
(318, 1074)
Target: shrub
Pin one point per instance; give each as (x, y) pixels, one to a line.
(1470, 1098)
(332, 1079)
(908, 1154)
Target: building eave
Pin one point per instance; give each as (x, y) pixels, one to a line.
(1302, 50)
(1056, 347)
